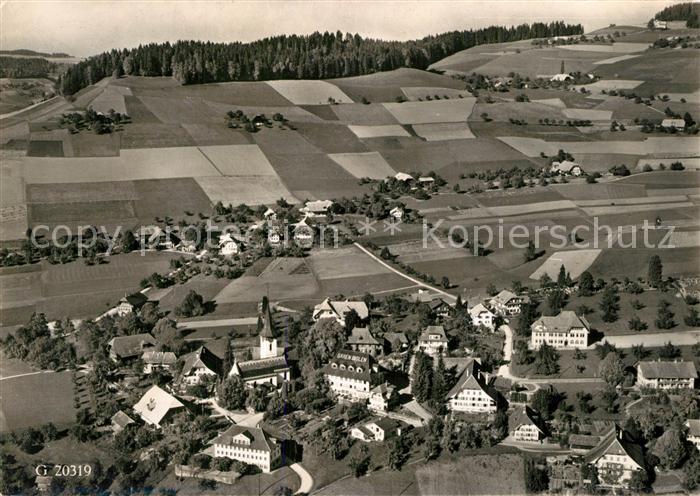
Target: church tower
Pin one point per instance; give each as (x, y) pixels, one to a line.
(268, 342)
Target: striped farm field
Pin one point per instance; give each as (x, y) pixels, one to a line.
(309, 92)
(238, 160)
(370, 164)
(251, 190)
(358, 114)
(432, 112)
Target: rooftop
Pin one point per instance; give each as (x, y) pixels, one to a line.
(668, 370)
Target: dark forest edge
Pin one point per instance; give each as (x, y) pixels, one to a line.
(316, 56)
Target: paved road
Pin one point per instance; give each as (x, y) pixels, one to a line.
(683, 338)
(412, 279)
(307, 482)
(28, 373)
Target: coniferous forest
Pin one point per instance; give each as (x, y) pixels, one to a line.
(315, 56)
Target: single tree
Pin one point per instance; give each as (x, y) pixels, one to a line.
(655, 274)
(612, 369)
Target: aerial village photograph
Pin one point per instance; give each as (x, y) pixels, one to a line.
(362, 248)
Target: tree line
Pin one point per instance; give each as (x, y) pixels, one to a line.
(18, 67)
(315, 56)
(688, 12)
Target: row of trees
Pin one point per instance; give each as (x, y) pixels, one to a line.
(315, 56)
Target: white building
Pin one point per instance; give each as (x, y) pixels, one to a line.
(507, 303)
(318, 208)
(377, 430)
(566, 167)
(526, 426)
(382, 398)
(228, 246)
(361, 340)
(157, 360)
(482, 316)
(471, 394)
(337, 310)
(660, 24)
(666, 375)
(303, 233)
(250, 445)
(678, 124)
(617, 457)
(157, 405)
(199, 365)
(403, 177)
(397, 213)
(351, 375)
(433, 340)
(131, 303)
(564, 331)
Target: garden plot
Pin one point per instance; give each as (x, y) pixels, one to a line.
(432, 112)
(615, 59)
(415, 93)
(370, 164)
(153, 163)
(443, 131)
(619, 47)
(379, 131)
(252, 190)
(344, 262)
(589, 114)
(238, 160)
(574, 261)
(309, 92)
(112, 98)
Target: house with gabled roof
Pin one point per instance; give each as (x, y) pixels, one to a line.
(317, 208)
(377, 430)
(303, 232)
(199, 365)
(471, 394)
(351, 375)
(157, 405)
(564, 331)
(361, 340)
(693, 426)
(131, 303)
(617, 457)
(403, 177)
(482, 317)
(526, 425)
(507, 303)
(337, 310)
(229, 245)
(130, 347)
(566, 167)
(251, 445)
(120, 421)
(666, 375)
(433, 340)
(397, 341)
(383, 398)
(269, 364)
(157, 360)
(397, 212)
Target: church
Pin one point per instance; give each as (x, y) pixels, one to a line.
(269, 363)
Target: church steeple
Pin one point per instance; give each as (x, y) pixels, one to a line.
(268, 342)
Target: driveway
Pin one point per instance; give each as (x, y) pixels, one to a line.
(307, 482)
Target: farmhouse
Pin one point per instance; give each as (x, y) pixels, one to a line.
(157, 406)
(660, 24)
(437, 305)
(382, 398)
(199, 365)
(566, 330)
(157, 360)
(129, 347)
(270, 214)
(337, 310)
(275, 233)
(269, 364)
(471, 394)
(617, 457)
(403, 177)
(433, 340)
(131, 303)
(318, 208)
(525, 425)
(666, 375)
(693, 426)
(482, 317)
(303, 233)
(677, 124)
(377, 430)
(228, 246)
(351, 375)
(566, 167)
(361, 340)
(561, 77)
(397, 341)
(507, 303)
(155, 237)
(250, 445)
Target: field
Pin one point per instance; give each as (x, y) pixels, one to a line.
(426, 93)
(443, 131)
(432, 112)
(575, 262)
(378, 131)
(669, 147)
(370, 164)
(18, 409)
(373, 114)
(309, 92)
(251, 190)
(238, 160)
(344, 262)
(479, 474)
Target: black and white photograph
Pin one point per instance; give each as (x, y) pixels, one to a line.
(349, 247)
